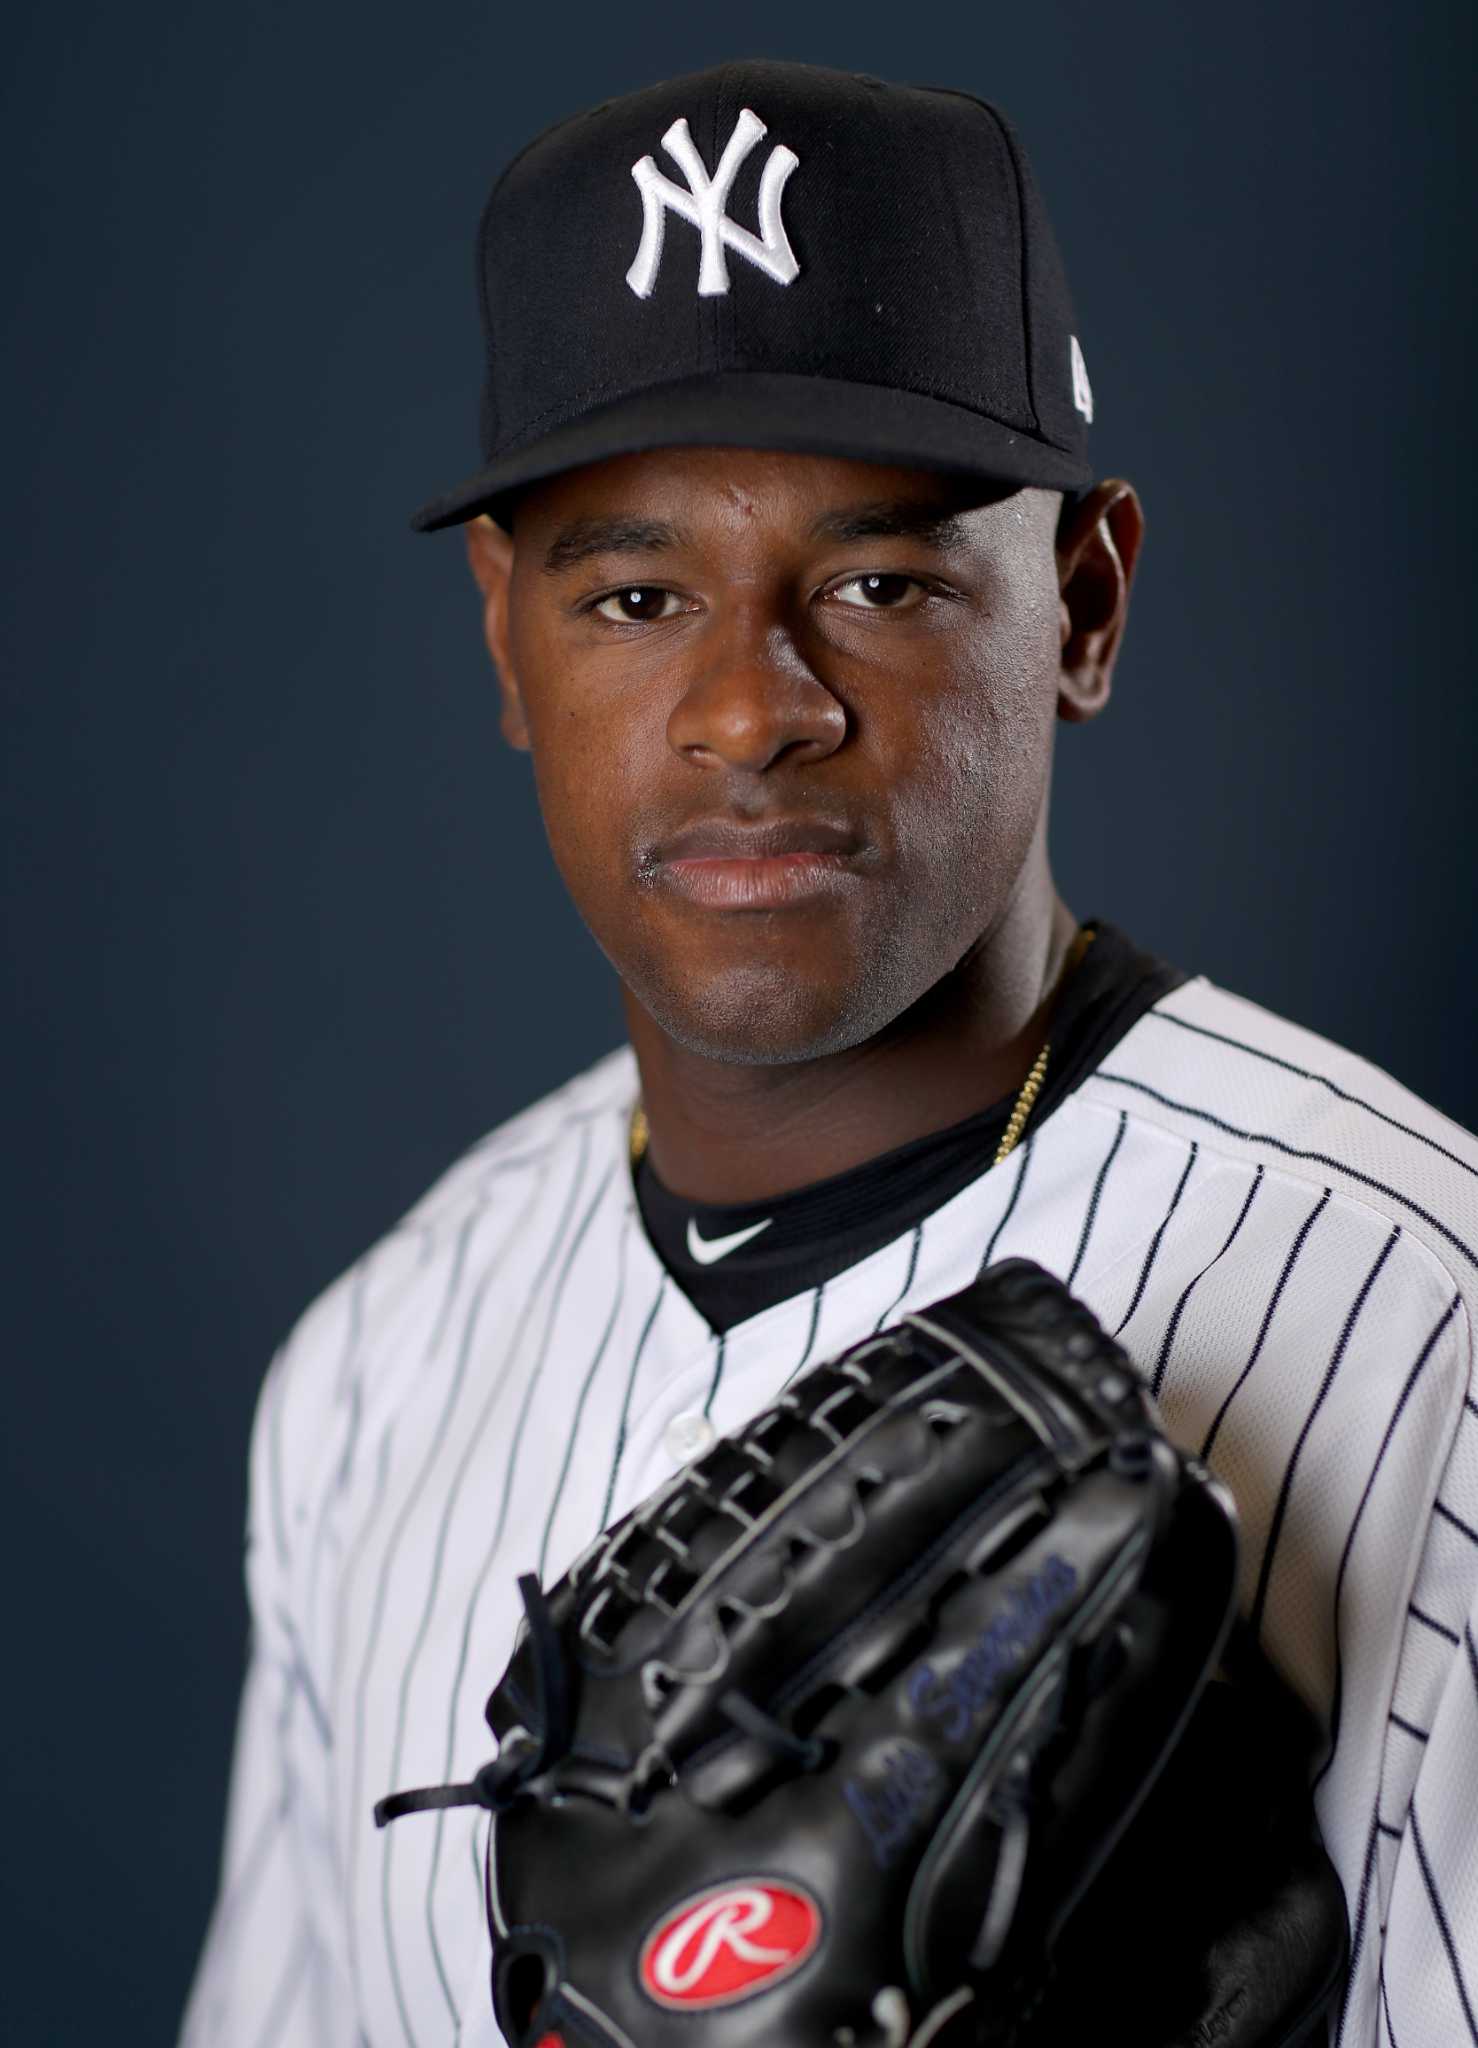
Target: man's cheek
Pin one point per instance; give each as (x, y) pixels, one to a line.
(941, 798)
(590, 817)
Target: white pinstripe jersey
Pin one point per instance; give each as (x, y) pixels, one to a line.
(1285, 1239)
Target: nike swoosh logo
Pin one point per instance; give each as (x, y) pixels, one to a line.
(707, 1249)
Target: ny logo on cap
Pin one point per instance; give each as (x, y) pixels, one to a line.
(703, 204)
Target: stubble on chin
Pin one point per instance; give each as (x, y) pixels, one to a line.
(772, 1013)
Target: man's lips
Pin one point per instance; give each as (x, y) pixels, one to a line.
(733, 839)
(729, 865)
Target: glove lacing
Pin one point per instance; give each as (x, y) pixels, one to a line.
(499, 1783)
(809, 1752)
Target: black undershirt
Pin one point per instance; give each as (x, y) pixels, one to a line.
(818, 1231)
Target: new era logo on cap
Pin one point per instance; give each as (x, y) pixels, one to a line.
(776, 255)
(1082, 389)
(703, 204)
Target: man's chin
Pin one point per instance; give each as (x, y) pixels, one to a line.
(763, 1020)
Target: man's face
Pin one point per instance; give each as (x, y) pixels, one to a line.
(791, 721)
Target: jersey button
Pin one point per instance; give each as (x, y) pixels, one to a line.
(687, 1437)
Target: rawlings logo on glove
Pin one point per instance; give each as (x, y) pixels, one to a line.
(707, 1950)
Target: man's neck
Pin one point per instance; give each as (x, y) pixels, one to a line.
(721, 1132)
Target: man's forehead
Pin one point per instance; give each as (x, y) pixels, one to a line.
(665, 498)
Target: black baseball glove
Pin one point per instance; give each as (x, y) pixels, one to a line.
(896, 1719)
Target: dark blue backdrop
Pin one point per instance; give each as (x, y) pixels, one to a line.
(282, 933)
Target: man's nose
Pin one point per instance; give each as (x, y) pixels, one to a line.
(753, 699)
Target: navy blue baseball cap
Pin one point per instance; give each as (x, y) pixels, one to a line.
(775, 255)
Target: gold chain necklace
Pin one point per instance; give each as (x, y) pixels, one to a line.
(1021, 1109)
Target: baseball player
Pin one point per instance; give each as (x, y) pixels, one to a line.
(791, 555)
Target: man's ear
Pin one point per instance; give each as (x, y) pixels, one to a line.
(490, 553)
(1097, 548)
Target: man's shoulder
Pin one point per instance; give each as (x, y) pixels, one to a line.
(370, 1314)
(1247, 1085)
(525, 1142)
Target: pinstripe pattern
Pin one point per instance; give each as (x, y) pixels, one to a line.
(1240, 1381)
(1018, 1182)
(1337, 1699)
(1094, 1199)
(1457, 1521)
(584, 1396)
(1274, 1142)
(494, 1545)
(716, 1378)
(1281, 1235)
(1359, 1930)
(1462, 1160)
(1285, 1485)
(915, 1246)
(391, 1923)
(1444, 1926)
(1160, 1228)
(818, 1295)
(624, 1421)
(1162, 1357)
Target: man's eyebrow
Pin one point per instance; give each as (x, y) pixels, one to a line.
(942, 525)
(585, 537)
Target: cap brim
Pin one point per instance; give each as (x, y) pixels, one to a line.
(758, 409)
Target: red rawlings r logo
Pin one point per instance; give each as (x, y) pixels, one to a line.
(728, 1943)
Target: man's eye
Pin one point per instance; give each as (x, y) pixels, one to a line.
(878, 593)
(638, 602)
